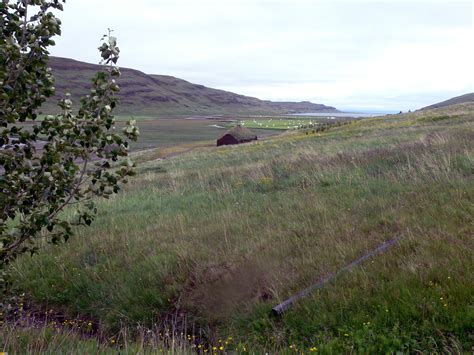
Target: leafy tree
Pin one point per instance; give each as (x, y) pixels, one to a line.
(54, 162)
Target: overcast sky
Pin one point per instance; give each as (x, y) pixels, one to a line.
(365, 55)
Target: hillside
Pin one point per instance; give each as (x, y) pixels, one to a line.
(143, 94)
(455, 100)
(198, 248)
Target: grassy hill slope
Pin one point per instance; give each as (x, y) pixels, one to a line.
(221, 235)
(467, 98)
(143, 94)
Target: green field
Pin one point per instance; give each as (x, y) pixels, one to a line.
(168, 132)
(164, 132)
(198, 248)
(278, 123)
(171, 132)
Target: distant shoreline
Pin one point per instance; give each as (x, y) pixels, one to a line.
(339, 114)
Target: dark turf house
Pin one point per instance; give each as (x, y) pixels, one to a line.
(236, 135)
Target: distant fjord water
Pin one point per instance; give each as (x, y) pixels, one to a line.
(355, 114)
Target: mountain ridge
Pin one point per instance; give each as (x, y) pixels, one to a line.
(466, 98)
(153, 94)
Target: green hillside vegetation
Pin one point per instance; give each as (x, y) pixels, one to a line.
(467, 98)
(143, 94)
(207, 242)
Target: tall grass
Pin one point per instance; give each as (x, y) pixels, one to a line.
(41, 338)
(223, 235)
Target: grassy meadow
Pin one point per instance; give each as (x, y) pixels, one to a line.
(196, 250)
(165, 133)
(278, 123)
(170, 132)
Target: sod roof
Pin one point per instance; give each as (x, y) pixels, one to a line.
(239, 133)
